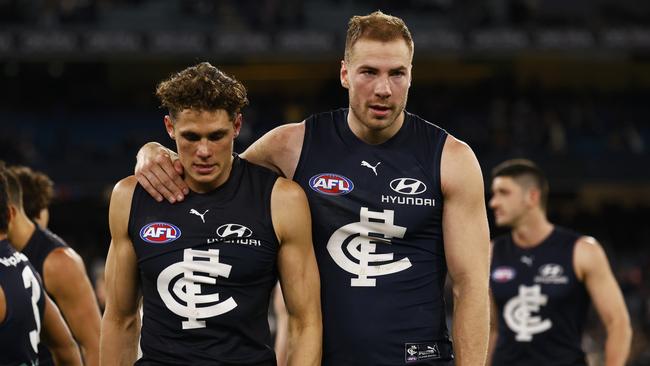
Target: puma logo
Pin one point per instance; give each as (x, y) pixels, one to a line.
(195, 212)
(367, 165)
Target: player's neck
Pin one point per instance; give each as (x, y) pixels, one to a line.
(220, 180)
(22, 230)
(374, 136)
(532, 230)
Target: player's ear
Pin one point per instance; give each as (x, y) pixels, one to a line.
(239, 119)
(344, 75)
(169, 126)
(534, 196)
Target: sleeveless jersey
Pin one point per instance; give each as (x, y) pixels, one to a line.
(207, 267)
(25, 304)
(541, 304)
(377, 227)
(40, 245)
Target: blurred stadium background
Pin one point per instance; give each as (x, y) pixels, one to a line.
(565, 83)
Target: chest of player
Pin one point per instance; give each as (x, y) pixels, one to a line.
(547, 282)
(239, 245)
(390, 183)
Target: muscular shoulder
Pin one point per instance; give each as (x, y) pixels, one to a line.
(279, 149)
(289, 209)
(123, 190)
(287, 191)
(588, 254)
(120, 206)
(61, 266)
(459, 169)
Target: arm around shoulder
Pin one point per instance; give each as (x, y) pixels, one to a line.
(120, 324)
(466, 235)
(592, 268)
(299, 276)
(279, 149)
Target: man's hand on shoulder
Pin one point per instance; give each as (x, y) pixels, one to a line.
(159, 172)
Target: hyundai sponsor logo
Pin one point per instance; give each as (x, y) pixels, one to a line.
(234, 231)
(408, 186)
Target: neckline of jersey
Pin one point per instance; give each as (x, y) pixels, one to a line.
(350, 138)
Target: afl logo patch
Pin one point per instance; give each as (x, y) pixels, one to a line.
(331, 184)
(159, 233)
(503, 274)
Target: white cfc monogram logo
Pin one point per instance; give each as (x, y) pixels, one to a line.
(374, 227)
(517, 313)
(187, 287)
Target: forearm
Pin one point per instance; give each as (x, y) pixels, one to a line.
(492, 345)
(66, 355)
(305, 343)
(617, 345)
(470, 323)
(119, 340)
(90, 354)
(85, 327)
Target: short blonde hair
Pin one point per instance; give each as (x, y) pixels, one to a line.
(376, 26)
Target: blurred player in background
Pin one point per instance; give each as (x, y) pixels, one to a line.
(38, 190)
(62, 270)
(27, 314)
(543, 277)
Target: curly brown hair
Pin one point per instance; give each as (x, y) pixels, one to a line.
(38, 189)
(376, 26)
(202, 87)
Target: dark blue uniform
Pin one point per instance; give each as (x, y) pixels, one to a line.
(541, 304)
(377, 225)
(25, 305)
(207, 268)
(40, 245)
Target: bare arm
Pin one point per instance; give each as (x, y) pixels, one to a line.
(57, 337)
(67, 282)
(593, 269)
(466, 234)
(298, 273)
(494, 330)
(121, 321)
(281, 326)
(279, 149)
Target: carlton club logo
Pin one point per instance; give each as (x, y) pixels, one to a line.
(182, 287)
(359, 241)
(331, 184)
(159, 233)
(408, 186)
(519, 313)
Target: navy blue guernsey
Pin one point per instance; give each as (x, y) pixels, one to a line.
(207, 267)
(541, 304)
(25, 304)
(377, 226)
(40, 245)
